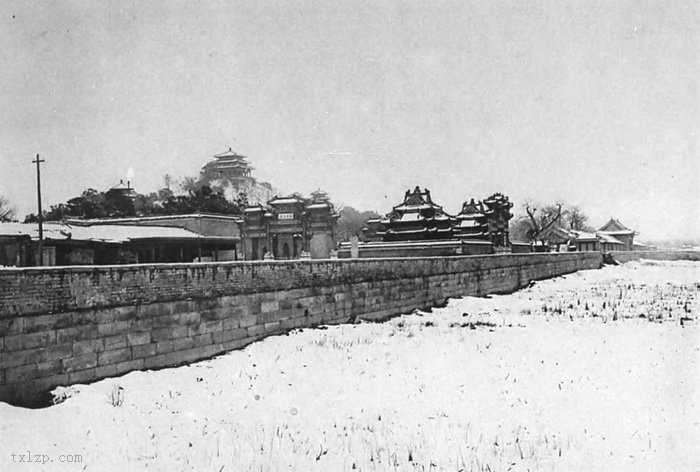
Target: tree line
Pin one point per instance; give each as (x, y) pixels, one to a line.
(115, 203)
(532, 226)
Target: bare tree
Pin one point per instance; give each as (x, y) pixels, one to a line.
(8, 212)
(531, 226)
(576, 219)
(542, 219)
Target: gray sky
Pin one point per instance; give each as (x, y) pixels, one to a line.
(593, 103)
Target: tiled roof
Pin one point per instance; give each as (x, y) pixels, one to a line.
(613, 226)
(608, 238)
(100, 233)
(285, 200)
(229, 153)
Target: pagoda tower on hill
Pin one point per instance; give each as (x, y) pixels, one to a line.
(231, 172)
(417, 218)
(229, 165)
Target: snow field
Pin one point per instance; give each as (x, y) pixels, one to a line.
(564, 375)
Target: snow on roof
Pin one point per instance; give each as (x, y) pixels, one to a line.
(318, 205)
(125, 233)
(468, 223)
(410, 217)
(51, 230)
(613, 226)
(232, 165)
(607, 238)
(99, 233)
(284, 200)
(423, 206)
(229, 153)
(584, 236)
(619, 233)
(121, 186)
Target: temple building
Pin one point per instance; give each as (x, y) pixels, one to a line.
(472, 221)
(418, 227)
(229, 165)
(417, 218)
(485, 220)
(233, 174)
(620, 232)
(288, 228)
(498, 217)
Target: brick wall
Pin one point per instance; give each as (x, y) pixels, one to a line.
(66, 325)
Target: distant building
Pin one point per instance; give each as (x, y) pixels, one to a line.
(289, 227)
(472, 222)
(121, 241)
(561, 239)
(419, 218)
(122, 190)
(620, 232)
(418, 227)
(485, 220)
(229, 165)
(232, 172)
(609, 243)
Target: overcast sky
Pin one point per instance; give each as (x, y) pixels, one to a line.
(592, 103)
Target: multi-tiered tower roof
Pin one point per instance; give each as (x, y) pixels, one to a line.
(230, 165)
(416, 218)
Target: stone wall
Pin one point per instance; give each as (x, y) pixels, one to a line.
(66, 325)
(434, 248)
(626, 256)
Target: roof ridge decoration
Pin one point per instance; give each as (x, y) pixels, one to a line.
(229, 153)
(615, 224)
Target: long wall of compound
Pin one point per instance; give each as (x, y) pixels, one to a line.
(627, 256)
(67, 325)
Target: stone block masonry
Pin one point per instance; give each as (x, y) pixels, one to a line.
(66, 325)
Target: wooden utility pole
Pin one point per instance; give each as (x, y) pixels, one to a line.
(40, 215)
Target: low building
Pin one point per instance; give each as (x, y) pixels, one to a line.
(641, 246)
(609, 243)
(113, 243)
(620, 232)
(220, 235)
(562, 239)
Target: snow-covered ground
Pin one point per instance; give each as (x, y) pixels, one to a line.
(592, 371)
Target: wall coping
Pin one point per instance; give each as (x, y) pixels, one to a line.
(342, 261)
